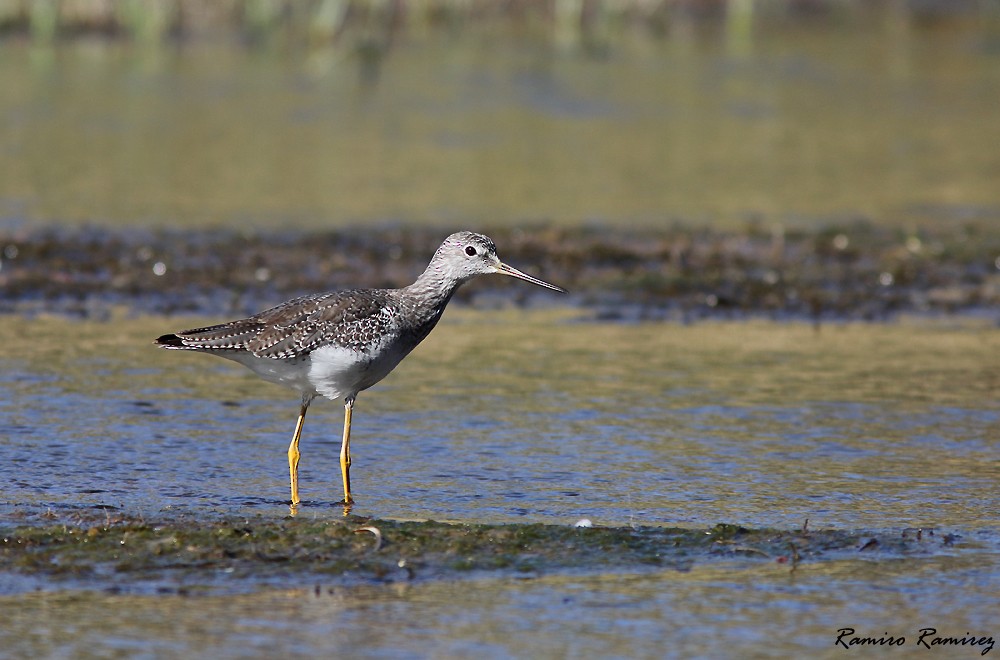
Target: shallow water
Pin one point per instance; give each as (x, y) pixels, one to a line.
(526, 417)
(514, 416)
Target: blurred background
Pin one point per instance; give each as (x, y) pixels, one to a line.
(469, 113)
(800, 156)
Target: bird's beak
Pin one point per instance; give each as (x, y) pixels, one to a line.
(504, 269)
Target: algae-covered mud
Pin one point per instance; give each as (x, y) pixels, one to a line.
(852, 271)
(359, 586)
(368, 588)
(115, 553)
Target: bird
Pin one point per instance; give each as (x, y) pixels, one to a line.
(338, 344)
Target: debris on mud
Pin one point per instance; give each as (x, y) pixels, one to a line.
(852, 272)
(121, 550)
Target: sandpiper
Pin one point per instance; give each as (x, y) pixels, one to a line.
(340, 343)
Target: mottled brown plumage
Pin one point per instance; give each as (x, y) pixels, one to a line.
(349, 319)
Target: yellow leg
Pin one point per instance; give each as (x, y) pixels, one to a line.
(293, 451)
(345, 451)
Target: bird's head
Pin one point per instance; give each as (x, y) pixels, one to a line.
(466, 255)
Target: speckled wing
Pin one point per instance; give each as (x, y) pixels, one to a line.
(357, 320)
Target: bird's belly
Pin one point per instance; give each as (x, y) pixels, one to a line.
(293, 373)
(337, 373)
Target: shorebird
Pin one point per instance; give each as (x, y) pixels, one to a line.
(340, 343)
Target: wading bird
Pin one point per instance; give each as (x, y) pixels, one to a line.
(338, 344)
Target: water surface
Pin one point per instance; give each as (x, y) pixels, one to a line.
(515, 416)
(711, 611)
(527, 417)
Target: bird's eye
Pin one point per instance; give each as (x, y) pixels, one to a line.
(471, 251)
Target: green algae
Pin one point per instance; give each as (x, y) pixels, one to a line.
(113, 551)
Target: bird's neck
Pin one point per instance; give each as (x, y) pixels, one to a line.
(432, 290)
